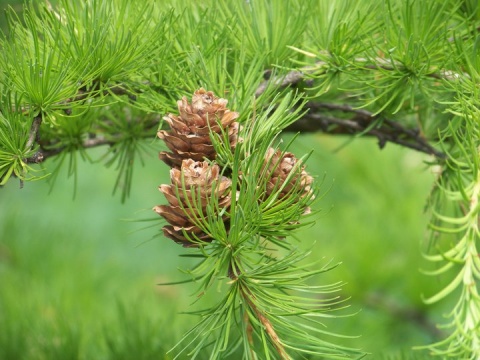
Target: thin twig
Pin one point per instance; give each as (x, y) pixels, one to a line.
(294, 77)
(42, 155)
(234, 271)
(118, 89)
(32, 137)
(247, 296)
(48, 150)
(290, 79)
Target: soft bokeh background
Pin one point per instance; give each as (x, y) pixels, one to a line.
(78, 276)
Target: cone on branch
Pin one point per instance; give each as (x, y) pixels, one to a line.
(287, 176)
(190, 193)
(189, 137)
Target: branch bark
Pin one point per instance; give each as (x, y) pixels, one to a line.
(362, 122)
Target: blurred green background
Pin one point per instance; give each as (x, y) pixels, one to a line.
(78, 277)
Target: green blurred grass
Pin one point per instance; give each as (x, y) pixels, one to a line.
(78, 279)
(76, 265)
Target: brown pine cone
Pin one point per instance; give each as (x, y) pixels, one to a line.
(189, 137)
(188, 197)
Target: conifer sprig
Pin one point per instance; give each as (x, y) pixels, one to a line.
(455, 215)
(240, 221)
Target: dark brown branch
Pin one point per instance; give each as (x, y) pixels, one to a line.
(362, 122)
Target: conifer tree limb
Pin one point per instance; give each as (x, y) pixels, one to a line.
(362, 122)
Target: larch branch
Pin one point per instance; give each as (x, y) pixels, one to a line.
(362, 122)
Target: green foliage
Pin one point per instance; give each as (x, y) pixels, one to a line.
(455, 214)
(14, 142)
(103, 73)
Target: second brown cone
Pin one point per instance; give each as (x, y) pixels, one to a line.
(192, 187)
